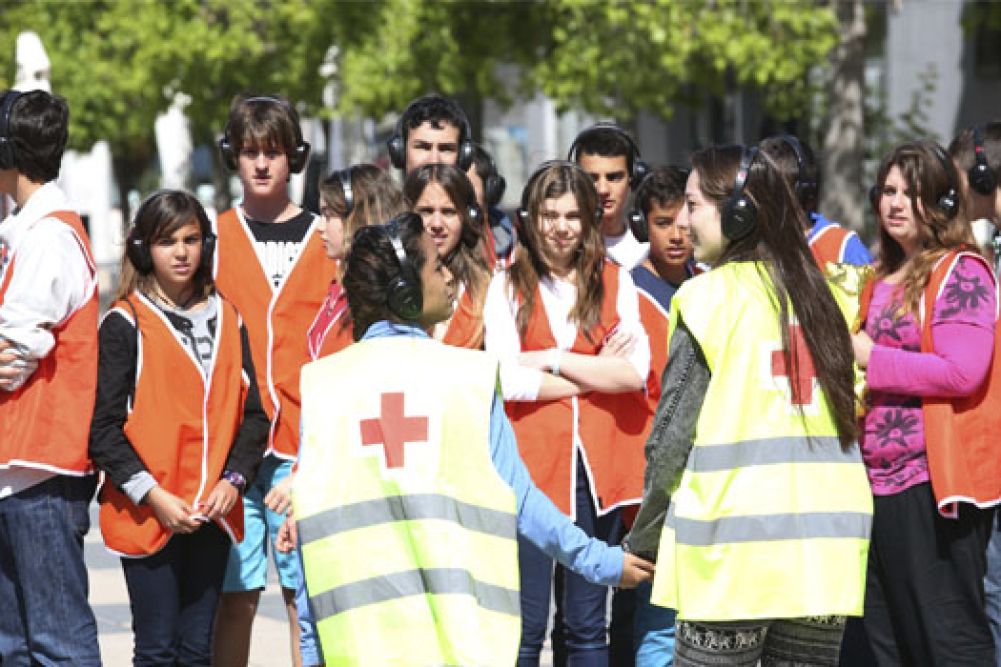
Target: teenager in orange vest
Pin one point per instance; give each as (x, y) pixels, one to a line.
(929, 436)
(271, 265)
(178, 430)
(828, 241)
(48, 375)
(443, 196)
(350, 198)
(574, 358)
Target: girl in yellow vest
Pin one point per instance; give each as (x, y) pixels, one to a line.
(930, 432)
(756, 504)
(444, 198)
(350, 198)
(574, 358)
(178, 430)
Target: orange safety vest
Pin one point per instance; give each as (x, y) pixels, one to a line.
(964, 460)
(829, 245)
(182, 424)
(611, 426)
(465, 329)
(277, 319)
(45, 424)
(654, 319)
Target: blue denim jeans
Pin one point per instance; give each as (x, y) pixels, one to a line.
(173, 595)
(584, 620)
(44, 615)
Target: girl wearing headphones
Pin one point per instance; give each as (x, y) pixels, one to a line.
(565, 323)
(178, 430)
(929, 436)
(756, 504)
(349, 199)
(444, 198)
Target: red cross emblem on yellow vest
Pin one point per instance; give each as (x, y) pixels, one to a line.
(392, 430)
(801, 386)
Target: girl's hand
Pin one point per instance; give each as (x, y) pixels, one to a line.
(618, 344)
(862, 347)
(220, 501)
(287, 537)
(173, 513)
(279, 498)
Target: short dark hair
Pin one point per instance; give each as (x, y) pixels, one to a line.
(783, 154)
(485, 167)
(436, 110)
(603, 141)
(962, 147)
(664, 186)
(266, 121)
(39, 129)
(371, 266)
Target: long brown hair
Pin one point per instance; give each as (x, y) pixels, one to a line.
(466, 261)
(158, 217)
(778, 243)
(551, 180)
(929, 175)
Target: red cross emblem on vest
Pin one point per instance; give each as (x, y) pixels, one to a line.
(392, 429)
(801, 387)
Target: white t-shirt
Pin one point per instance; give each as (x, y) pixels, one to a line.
(625, 250)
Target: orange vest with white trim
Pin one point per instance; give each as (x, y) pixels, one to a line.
(465, 328)
(46, 423)
(610, 426)
(654, 319)
(964, 460)
(277, 319)
(829, 245)
(182, 424)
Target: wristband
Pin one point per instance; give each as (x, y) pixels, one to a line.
(236, 479)
(554, 362)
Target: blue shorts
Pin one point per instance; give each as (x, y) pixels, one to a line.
(247, 569)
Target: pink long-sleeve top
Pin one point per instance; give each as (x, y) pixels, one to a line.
(899, 374)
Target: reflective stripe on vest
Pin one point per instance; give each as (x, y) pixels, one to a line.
(407, 531)
(771, 517)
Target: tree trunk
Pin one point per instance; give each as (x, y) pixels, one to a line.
(842, 193)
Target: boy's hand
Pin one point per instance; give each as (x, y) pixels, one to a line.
(635, 571)
(279, 498)
(218, 503)
(287, 537)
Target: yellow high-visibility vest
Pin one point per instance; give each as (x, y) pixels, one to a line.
(408, 533)
(771, 518)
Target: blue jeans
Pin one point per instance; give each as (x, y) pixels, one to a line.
(654, 631)
(585, 626)
(44, 615)
(173, 595)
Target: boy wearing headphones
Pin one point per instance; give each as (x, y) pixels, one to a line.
(48, 380)
(829, 241)
(489, 186)
(432, 129)
(977, 154)
(612, 158)
(271, 264)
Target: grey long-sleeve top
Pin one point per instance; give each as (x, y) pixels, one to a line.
(685, 382)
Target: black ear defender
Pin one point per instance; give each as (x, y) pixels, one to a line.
(344, 176)
(300, 154)
(397, 144)
(805, 188)
(6, 140)
(639, 168)
(403, 294)
(138, 250)
(980, 176)
(637, 218)
(740, 215)
(948, 201)
(494, 184)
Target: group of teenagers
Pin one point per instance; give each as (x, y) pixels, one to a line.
(685, 383)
